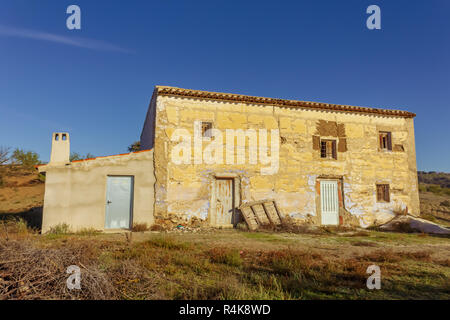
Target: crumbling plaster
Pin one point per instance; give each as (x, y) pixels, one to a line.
(185, 190)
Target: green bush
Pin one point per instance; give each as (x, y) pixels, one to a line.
(25, 158)
(62, 228)
(77, 156)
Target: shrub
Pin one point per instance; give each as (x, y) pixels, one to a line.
(14, 226)
(157, 227)
(445, 203)
(77, 156)
(87, 232)
(41, 177)
(27, 159)
(135, 146)
(382, 256)
(62, 228)
(225, 256)
(168, 243)
(139, 227)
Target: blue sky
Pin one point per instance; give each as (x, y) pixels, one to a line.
(96, 82)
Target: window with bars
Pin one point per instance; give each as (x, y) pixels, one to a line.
(383, 193)
(385, 140)
(206, 129)
(328, 149)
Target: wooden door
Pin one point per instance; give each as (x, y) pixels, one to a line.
(224, 201)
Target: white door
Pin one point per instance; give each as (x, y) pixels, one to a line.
(119, 201)
(329, 202)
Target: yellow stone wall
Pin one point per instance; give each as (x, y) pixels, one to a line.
(184, 190)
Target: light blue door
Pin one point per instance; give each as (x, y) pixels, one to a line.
(119, 202)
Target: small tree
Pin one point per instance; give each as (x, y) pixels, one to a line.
(76, 156)
(4, 158)
(136, 146)
(27, 159)
(4, 155)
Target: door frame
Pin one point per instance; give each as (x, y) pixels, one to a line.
(130, 226)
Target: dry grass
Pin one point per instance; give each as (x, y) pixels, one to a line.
(221, 265)
(140, 227)
(27, 272)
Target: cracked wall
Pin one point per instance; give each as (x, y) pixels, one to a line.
(185, 190)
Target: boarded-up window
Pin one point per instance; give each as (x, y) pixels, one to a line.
(206, 129)
(385, 140)
(328, 149)
(383, 193)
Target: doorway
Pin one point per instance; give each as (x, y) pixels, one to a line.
(119, 202)
(225, 212)
(329, 201)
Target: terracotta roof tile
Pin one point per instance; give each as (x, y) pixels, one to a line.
(173, 91)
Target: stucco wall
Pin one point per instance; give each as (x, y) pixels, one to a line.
(75, 194)
(185, 190)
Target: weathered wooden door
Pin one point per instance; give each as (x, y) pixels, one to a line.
(329, 202)
(224, 201)
(119, 202)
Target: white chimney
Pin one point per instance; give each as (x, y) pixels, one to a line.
(60, 148)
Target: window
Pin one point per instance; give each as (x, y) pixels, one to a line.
(328, 149)
(206, 129)
(383, 193)
(385, 141)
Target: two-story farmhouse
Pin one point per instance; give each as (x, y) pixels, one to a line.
(206, 153)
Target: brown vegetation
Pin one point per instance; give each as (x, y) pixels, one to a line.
(221, 265)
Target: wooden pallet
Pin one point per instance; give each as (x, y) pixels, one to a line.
(261, 213)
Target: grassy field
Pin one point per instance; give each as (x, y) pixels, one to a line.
(223, 264)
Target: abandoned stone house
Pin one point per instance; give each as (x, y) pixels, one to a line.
(322, 163)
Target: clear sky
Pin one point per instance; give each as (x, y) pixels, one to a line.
(96, 82)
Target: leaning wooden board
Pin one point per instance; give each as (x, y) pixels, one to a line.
(262, 212)
(249, 218)
(272, 212)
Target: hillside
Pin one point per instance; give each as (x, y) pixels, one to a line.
(435, 196)
(22, 193)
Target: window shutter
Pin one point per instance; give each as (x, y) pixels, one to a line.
(316, 142)
(334, 149)
(389, 141)
(381, 140)
(386, 190)
(342, 145)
